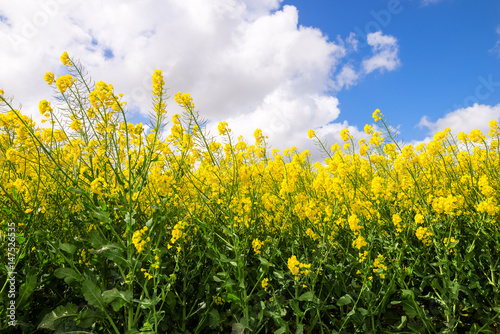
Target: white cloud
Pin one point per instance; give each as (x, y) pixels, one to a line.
(245, 61)
(465, 119)
(385, 53)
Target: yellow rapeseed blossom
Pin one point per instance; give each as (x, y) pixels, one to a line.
(265, 283)
(64, 83)
(311, 133)
(138, 241)
(377, 115)
(359, 242)
(222, 127)
(49, 78)
(65, 59)
(257, 245)
(354, 223)
(295, 267)
(344, 134)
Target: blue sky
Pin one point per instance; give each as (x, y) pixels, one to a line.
(284, 66)
(444, 48)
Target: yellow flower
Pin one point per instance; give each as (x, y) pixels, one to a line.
(359, 242)
(49, 77)
(158, 83)
(44, 107)
(137, 240)
(311, 133)
(257, 244)
(377, 115)
(184, 100)
(222, 127)
(64, 83)
(2, 92)
(344, 134)
(76, 125)
(368, 129)
(65, 59)
(293, 265)
(265, 283)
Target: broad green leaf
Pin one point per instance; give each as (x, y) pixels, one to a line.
(308, 296)
(279, 275)
(109, 295)
(409, 308)
(86, 318)
(53, 319)
(95, 239)
(362, 311)
(344, 300)
(92, 294)
(26, 289)
(232, 297)
(280, 330)
(68, 274)
(68, 248)
(407, 293)
(213, 318)
(237, 328)
(117, 298)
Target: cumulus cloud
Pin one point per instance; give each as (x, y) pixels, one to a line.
(385, 53)
(244, 61)
(465, 119)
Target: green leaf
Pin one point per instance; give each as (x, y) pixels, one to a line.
(77, 191)
(53, 319)
(344, 300)
(232, 297)
(95, 239)
(117, 298)
(363, 311)
(280, 330)
(26, 289)
(114, 253)
(407, 293)
(109, 295)
(279, 275)
(68, 274)
(86, 318)
(213, 318)
(308, 296)
(409, 308)
(149, 223)
(300, 329)
(295, 307)
(92, 294)
(264, 262)
(238, 328)
(129, 220)
(68, 248)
